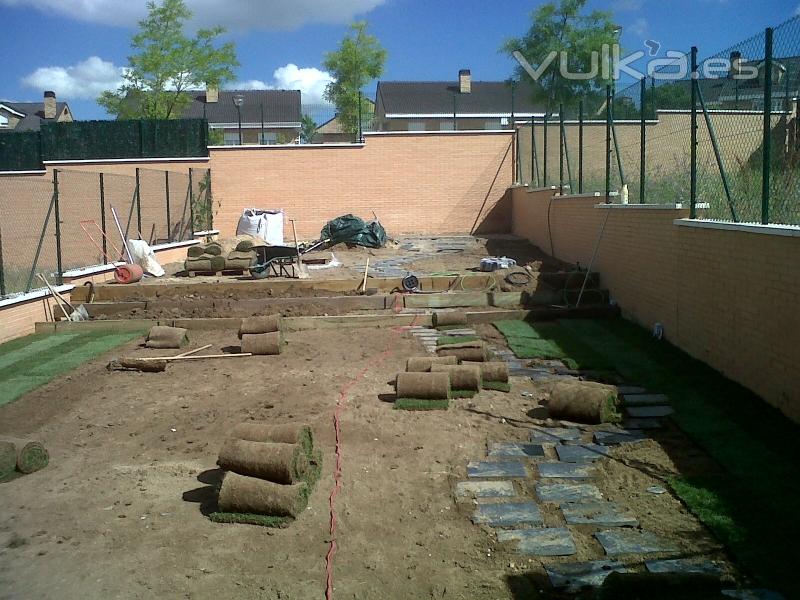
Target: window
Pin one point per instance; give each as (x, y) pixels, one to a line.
(446, 125)
(492, 124)
(267, 138)
(231, 138)
(416, 125)
(3, 121)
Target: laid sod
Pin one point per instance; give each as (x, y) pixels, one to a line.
(463, 393)
(29, 362)
(447, 340)
(417, 404)
(498, 386)
(751, 506)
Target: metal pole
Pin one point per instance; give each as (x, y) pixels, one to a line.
(767, 142)
(642, 139)
(169, 215)
(2, 270)
(455, 123)
(693, 142)
(518, 157)
(717, 154)
(138, 204)
(580, 147)
(191, 204)
(103, 214)
(534, 154)
(60, 277)
(513, 86)
(544, 158)
(261, 141)
(239, 117)
(360, 137)
(622, 178)
(561, 149)
(608, 144)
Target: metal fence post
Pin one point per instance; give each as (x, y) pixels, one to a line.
(580, 147)
(518, 157)
(169, 215)
(360, 124)
(544, 158)
(534, 154)
(693, 142)
(455, 122)
(191, 203)
(57, 210)
(103, 215)
(2, 270)
(209, 202)
(261, 141)
(642, 139)
(138, 205)
(608, 144)
(767, 139)
(561, 149)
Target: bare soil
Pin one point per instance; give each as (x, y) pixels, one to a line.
(119, 512)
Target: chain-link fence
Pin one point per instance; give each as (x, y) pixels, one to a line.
(71, 219)
(724, 142)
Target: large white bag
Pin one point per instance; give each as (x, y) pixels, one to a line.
(142, 254)
(263, 224)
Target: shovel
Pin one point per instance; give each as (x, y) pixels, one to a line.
(76, 314)
(302, 273)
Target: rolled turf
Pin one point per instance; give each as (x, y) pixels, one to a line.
(263, 324)
(28, 455)
(464, 354)
(164, 337)
(449, 317)
(584, 402)
(288, 433)
(274, 461)
(262, 343)
(251, 495)
(425, 386)
(422, 364)
(8, 458)
(462, 377)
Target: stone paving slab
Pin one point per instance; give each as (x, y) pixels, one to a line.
(622, 436)
(514, 450)
(755, 594)
(630, 389)
(646, 399)
(683, 565)
(602, 514)
(567, 492)
(508, 514)
(562, 470)
(550, 541)
(485, 489)
(554, 435)
(649, 412)
(496, 469)
(642, 424)
(578, 575)
(628, 541)
(582, 453)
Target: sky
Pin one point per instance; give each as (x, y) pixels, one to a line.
(78, 48)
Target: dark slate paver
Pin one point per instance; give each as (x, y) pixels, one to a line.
(574, 576)
(683, 565)
(622, 436)
(562, 470)
(649, 412)
(630, 389)
(642, 424)
(646, 400)
(550, 541)
(754, 594)
(627, 541)
(496, 469)
(582, 453)
(602, 514)
(508, 514)
(567, 492)
(554, 435)
(514, 450)
(485, 489)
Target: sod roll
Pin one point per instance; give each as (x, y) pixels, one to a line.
(240, 260)
(205, 262)
(288, 433)
(584, 402)
(249, 495)
(8, 458)
(494, 371)
(462, 377)
(464, 354)
(262, 343)
(429, 386)
(29, 455)
(449, 317)
(422, 364)
(266, 324)
(137, 364)
(273, 461)
(196, 251)
(163, 337)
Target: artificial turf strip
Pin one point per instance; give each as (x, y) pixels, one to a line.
(497, 386)
(30, 362)
(417, 404)
(751, 506)
(447, 340)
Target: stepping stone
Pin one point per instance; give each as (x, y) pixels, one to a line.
(514, 450)
(578, 575)
(757, 594)
(562, 470)
(485, 489)
(582, 453)
(642, 424)
(567, 492)
(550, 541)
(645, 399)
(487, 469)
(630, 389)
(598, 513)
(508, 514)
(648, 412)
(683, 565)
(623, 436)
(628, 541)
(554, 435)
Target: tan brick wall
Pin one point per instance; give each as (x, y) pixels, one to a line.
(726, 297)
(19, 320)
(422, 184)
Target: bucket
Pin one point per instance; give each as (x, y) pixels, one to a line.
(128, 273)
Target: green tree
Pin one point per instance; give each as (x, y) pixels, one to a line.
(308, 129)
(165, 64)
(359, 60)
(563, 27)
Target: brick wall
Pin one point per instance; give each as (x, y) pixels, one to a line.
(423, 184)
(725, 297)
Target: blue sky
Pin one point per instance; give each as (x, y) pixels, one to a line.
(77, 47)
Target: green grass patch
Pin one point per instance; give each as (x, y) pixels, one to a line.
(463, 393)
(418, 404)
(751, 507)
(497, 386)
(251, 519)
(29, 362)
(448, 340)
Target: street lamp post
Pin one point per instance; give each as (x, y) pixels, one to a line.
(238, 100)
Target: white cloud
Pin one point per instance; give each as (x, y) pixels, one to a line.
(236, 15)
(84, 80)
(310, 81)
(797, 10)
(639, 27)
(622, 5)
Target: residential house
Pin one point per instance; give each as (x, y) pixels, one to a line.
(448, 105)
(29, 116)
(331, 132)
(267, 116)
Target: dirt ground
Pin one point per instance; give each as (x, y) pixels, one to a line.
(118, 513)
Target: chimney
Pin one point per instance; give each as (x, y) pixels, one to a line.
(49, 105)
(212, 94)
(736, 64)
(464, 81)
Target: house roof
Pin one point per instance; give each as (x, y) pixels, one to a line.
(33, 114)
(435, 98)
(280, 106)
(334, 124)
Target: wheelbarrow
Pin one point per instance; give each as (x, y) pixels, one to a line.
(274, 261)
